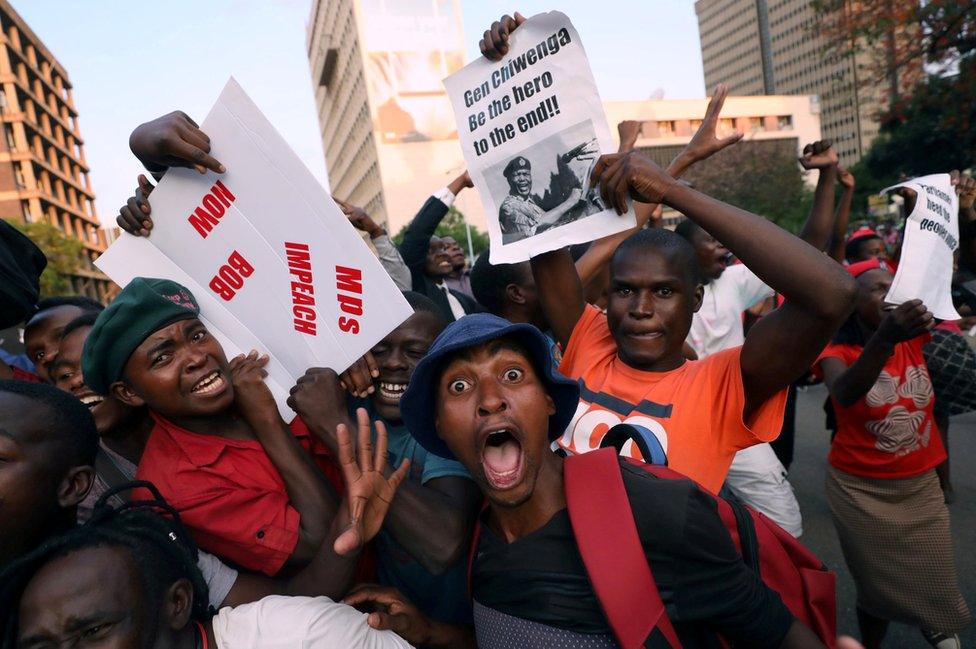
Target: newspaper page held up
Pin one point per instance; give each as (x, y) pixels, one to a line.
(531, 127)
(931, 236)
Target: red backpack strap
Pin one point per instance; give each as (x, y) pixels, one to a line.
(606, 535)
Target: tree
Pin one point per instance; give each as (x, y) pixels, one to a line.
(453, 225)
(899, 37)
(760, 176)
(933, 132)
(62, 254)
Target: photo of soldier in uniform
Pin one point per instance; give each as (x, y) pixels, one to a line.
(567, 159)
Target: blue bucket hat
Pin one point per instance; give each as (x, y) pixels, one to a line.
(417, 407)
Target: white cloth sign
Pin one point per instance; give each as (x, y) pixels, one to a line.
(273, 263)
(931, 236)
(531, 128)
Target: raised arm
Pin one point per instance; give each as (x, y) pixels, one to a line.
(386, 252)
(822, 157)
(369, 491)
(416, 240)
(841, 219)
(848, 384)
(560, 292)
(433, 521)
(704, 144)
(819, 293)
(308, 490)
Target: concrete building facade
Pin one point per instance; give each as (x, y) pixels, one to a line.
(767, 47)
(43, 173)
(387, 127)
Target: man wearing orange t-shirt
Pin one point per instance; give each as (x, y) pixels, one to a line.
(629, 362)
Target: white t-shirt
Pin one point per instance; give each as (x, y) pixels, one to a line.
(718, 324)
(279, 622)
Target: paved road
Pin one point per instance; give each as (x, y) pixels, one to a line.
(807, 476)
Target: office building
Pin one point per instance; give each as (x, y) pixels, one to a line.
(43, 173)
(387, 126)
(772, 47)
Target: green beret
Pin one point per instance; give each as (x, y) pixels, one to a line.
(144, 306)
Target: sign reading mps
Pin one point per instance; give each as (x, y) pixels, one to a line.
(267, 253)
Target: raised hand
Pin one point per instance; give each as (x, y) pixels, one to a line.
(704, 142)
(818, 155)
(173, 140)
(359, 218)
(134, 215)
(630, 174)
(358, 379)
(389, 609)
(845, 177)
(252, 396)
(368, 491)
(906, 321)
(628, 130)
(494, 44)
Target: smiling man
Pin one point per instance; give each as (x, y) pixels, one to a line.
(487, 394)
(252, 489)
(43, 330)
(429, 257)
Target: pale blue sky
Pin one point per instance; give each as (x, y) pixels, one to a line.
(132, 61)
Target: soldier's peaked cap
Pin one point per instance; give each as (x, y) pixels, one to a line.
(516, 164)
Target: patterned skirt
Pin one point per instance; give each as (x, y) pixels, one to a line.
(898, 546)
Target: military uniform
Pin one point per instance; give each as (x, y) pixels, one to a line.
(518, 216)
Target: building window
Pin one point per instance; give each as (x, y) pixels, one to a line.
(665, 128)
(11, 143)
(756, 124)
(785, 122)
(27, 213)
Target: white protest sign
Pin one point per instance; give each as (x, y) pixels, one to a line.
(274, 264)
(531, 127)
(931, 236)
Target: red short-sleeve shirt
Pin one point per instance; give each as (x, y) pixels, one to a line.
(229, 494)
(890, 432)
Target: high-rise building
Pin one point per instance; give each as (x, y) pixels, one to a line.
(387, 126)
(767, 47)
(43, 173)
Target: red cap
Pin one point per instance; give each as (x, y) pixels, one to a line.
(859, 268)
(863, 233)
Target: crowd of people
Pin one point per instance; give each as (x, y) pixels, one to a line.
(492, 473)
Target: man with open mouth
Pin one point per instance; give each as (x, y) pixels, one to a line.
(251, 489)
(487, 394)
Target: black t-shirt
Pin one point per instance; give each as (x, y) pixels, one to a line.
(701, 578)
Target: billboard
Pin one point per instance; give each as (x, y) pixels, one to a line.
(410, 47)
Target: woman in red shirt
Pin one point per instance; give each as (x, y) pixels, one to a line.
(882, 487)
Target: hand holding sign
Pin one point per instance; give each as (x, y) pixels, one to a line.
(173, 140)
(494, 44)
(134, 215)
(931, 237)
(906, 321)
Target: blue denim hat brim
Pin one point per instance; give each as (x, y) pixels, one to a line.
(418, 405)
